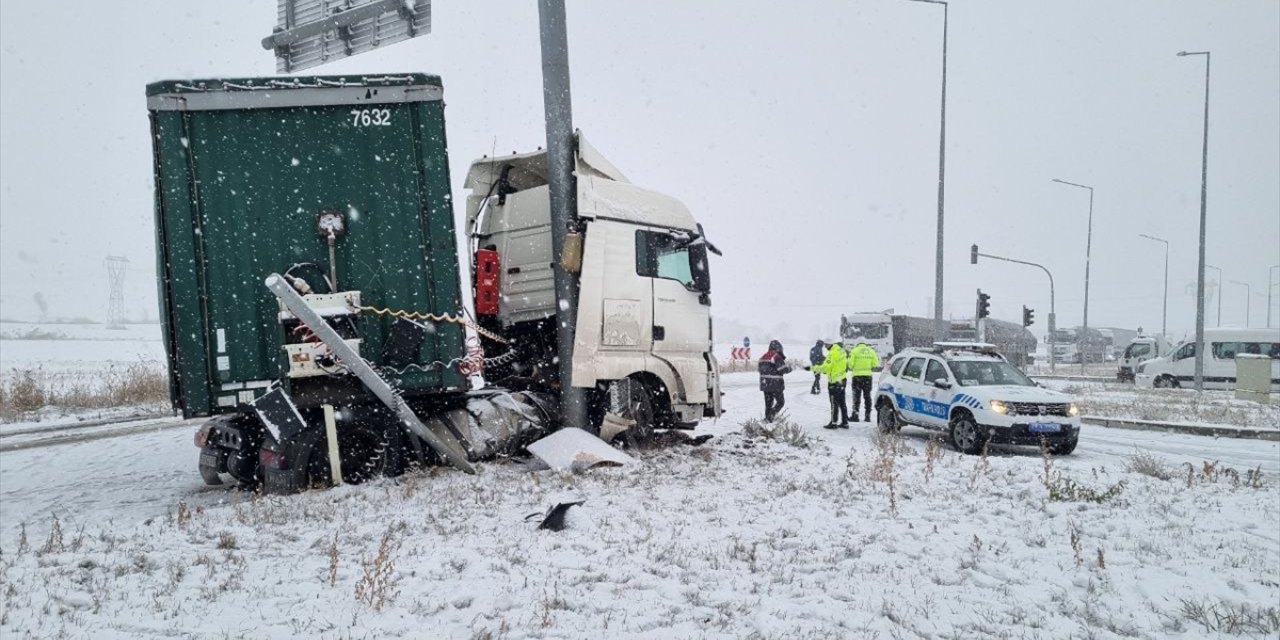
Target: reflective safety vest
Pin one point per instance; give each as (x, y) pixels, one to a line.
(836, 366)
(862, 360)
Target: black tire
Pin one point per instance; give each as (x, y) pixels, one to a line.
(887, 418)
(1166, 382)
(635, 400)
(966, 435)
(362, 452)
(1063, 448)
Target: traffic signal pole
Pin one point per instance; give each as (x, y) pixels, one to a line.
(973, 259)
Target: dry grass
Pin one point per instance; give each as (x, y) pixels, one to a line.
(24, 392)
(782, 429)
(1149, 465)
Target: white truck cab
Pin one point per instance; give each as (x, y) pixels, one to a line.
(644, 308)
(968, 391)
(1139, 349)
(1177, 367)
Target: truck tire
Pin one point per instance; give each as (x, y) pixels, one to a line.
(633, 399)
(1165, 381)
(1063, 448)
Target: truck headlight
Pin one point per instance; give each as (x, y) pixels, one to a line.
(999, 407)
(1073, 410)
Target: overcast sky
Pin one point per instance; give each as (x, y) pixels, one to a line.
(803, 135)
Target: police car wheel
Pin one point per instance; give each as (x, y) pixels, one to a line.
(887, 418)
(966, 436)
(1063, 448)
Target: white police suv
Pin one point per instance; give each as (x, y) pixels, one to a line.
(970, 392)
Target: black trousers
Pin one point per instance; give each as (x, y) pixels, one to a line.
(839, 408)
(817, 380)
(862, 393)
(773, 401)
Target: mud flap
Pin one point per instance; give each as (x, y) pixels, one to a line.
(576, 450)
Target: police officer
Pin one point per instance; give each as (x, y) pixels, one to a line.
(862, 360)
(836, 366)
(816, 355)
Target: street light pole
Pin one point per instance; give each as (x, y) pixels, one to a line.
(1218, 293)
(939, 325)
(1052, 310)
(1248, 299)
(1270, 284)
(1088, 251)
(1204, 197)
(1164, 315)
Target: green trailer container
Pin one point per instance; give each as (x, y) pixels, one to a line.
(243, 169)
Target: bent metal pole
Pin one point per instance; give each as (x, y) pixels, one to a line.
(443, 443)
(562, 188)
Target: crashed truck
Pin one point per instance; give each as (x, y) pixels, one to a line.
(310, 292)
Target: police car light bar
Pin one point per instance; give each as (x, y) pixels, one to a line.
(965, 346)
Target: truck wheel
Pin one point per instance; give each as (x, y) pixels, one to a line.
(633, 400)
(966, 435)
(1165, 382)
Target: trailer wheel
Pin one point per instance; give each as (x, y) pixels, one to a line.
(362, 452)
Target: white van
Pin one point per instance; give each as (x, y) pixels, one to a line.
(1177, 368)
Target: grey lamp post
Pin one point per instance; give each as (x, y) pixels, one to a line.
(1088, 250)
(1204, 197)
(1219, 293)
(939, 326)
(1164, 314)
(1248, 298)
(1270, 285)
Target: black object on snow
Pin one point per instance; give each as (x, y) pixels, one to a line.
(554, 519)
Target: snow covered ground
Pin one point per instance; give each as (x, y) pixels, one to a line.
(1179, 406)
(742, 537)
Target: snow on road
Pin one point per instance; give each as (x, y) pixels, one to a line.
(743, 537)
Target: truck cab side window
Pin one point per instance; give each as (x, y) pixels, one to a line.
(1187, 351)
(660, 255)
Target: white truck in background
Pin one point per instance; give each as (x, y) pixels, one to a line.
(643, 346)
(1139, 349)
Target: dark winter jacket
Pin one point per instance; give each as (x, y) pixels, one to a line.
(817, 354)
(772, 366)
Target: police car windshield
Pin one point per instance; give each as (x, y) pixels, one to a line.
(983, 373)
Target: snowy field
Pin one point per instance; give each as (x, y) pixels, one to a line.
(1178, 406)
(744, 537)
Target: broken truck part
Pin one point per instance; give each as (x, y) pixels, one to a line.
(310, 182)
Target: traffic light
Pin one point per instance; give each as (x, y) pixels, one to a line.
(973, 254)
(984, 304)
(1028, 316)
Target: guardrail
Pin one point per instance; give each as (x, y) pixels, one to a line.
(1075, 378)
(1215, 431)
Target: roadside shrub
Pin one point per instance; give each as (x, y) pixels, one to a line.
(782, 429)
(1149, 465)
(1064, 489)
